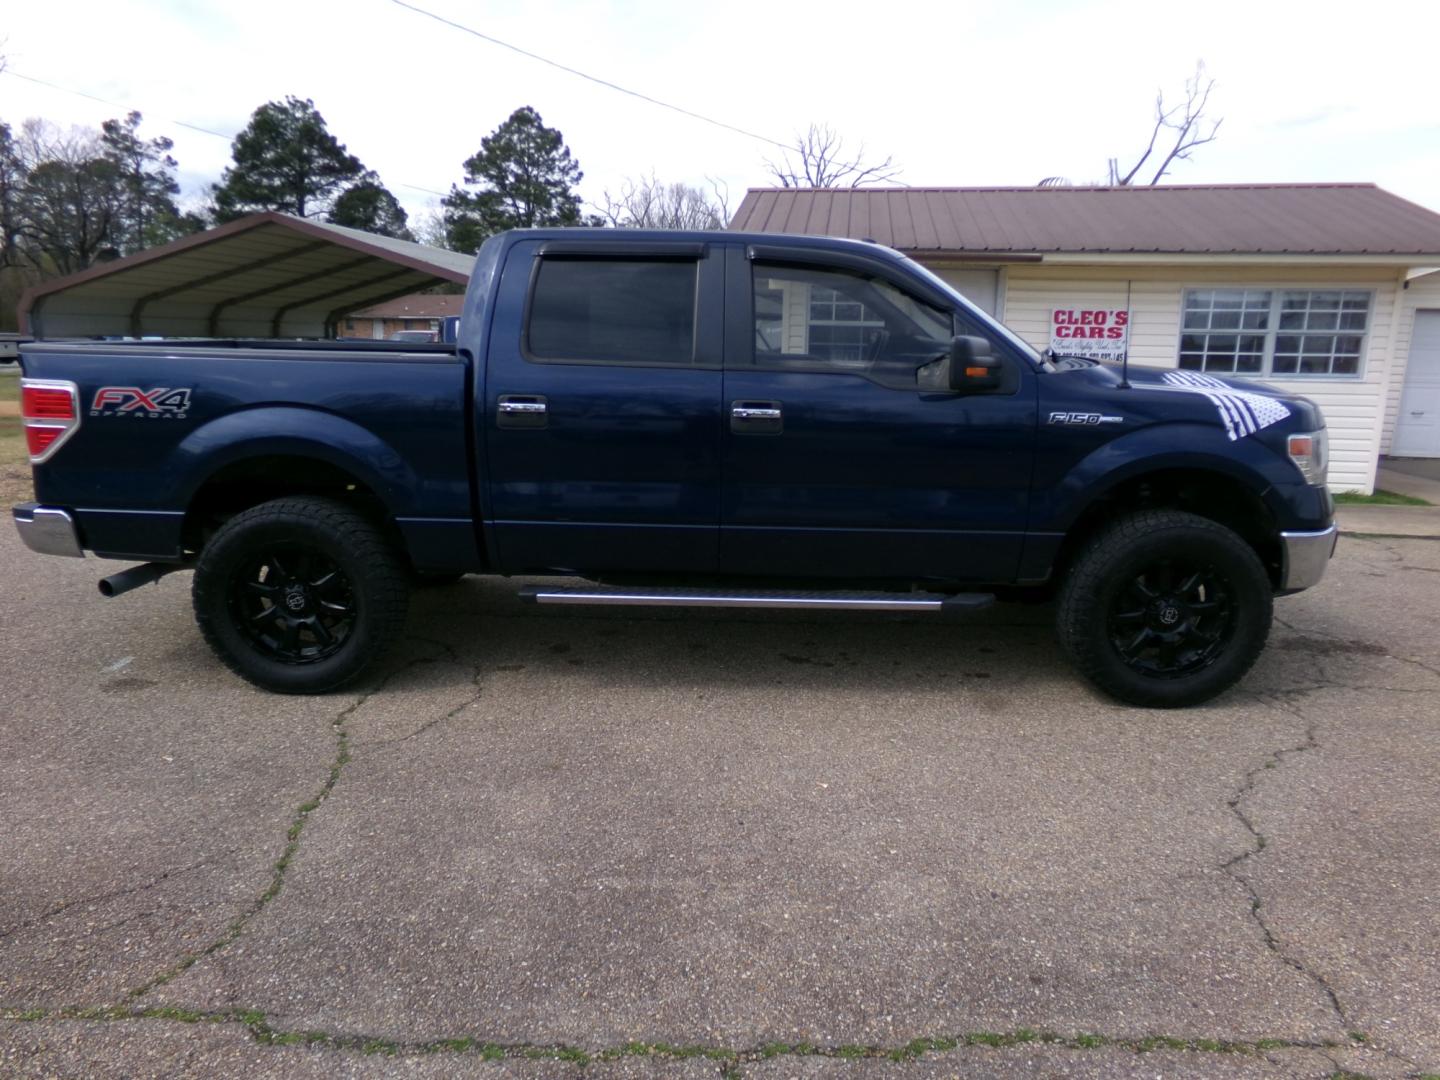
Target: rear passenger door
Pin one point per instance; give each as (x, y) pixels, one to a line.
(601, 407)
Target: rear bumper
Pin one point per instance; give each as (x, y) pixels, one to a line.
(48, 530)
(1305, 556)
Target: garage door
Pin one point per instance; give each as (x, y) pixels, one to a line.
(980, 287)
(1417, 432)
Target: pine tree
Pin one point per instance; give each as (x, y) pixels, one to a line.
(524, 176)
(370, 206)
(285, 159)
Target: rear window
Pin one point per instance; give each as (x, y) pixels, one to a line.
(617, 311)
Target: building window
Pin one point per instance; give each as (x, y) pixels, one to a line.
(1274, 331)
(841, 329)
(832, 320)
(349, 324)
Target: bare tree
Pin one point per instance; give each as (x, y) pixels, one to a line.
(650, 203)
(821, 162)
(1188, 123)
(71, 194)
(429, 226)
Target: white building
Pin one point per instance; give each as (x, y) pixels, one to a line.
(1327, 290)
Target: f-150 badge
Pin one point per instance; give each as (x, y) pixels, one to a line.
(161, 403)
(1085, 419)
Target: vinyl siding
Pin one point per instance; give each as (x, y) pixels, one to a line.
(1423, 293)
(1354, 407)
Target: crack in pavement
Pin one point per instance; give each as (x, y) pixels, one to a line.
(1344, 646)
(1231, 866)
(476, 677)
(113, 894)
(259, 1026)
(292, 840)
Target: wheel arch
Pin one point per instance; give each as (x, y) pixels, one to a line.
(247, 458)
(1223, 495)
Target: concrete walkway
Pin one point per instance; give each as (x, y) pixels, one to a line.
(1397, 520)
(1418, 477)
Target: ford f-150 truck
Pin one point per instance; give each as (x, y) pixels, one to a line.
(685, 419)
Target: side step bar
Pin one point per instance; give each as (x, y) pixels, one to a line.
(760, 598)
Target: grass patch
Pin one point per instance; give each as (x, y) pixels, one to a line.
(9, 388)
(1379, 498)
(12, 442)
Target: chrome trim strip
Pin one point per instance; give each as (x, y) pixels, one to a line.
(1305, 556)
(47, 530)
(841, 602)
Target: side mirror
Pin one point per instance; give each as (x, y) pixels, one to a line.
(973, 369)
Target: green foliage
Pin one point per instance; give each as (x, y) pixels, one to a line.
(1378, 498)
(286, 159)
(71, 198)
(144, 176)
(523, 176)
(369, 206)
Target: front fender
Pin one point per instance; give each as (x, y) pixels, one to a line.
(290, 431)
(1153, 449)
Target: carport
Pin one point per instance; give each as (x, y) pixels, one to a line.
(264, 275)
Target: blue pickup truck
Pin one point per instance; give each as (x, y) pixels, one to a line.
(672, 418)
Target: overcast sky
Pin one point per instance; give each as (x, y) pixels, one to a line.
(959, 93)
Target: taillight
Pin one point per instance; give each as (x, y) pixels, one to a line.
(50, 411)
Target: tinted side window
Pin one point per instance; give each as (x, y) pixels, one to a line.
(814, 319)
(623, 311)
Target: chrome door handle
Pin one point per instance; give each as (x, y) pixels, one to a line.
(522, 411)
(756, 418)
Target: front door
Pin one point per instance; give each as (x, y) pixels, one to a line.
(844, 453)
(1417, 429)
(601, 408)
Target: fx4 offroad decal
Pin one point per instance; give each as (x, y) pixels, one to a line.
(1084, 418)
(161, 403)
(1242, 412)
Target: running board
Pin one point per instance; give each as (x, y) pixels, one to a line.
(760, 598)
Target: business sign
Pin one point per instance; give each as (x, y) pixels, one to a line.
(1096, 333)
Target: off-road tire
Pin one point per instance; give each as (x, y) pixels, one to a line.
(1091, 591)
(377, 589)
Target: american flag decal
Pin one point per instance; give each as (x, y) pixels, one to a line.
(1244, 413)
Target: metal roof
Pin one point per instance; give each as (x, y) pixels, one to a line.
(1230, 219)
(264, 275)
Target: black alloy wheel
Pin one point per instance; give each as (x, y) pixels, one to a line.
(301, 594)
(1172, 619)
(1164, 608)
(293, 603)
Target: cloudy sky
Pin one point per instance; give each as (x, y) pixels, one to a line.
(958, 92)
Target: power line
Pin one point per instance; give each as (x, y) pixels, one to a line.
(593, 78)
(112, 104)
(168, 120)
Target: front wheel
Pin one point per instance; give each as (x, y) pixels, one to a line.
(299, 595)
(1165, 609)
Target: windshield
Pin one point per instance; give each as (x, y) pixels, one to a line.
(976, 315)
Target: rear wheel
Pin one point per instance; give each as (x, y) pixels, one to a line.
(1165, 609)
(299, 595)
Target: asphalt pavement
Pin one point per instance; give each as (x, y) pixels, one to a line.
(629, 843)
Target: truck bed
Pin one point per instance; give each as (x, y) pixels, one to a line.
(299, 349)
